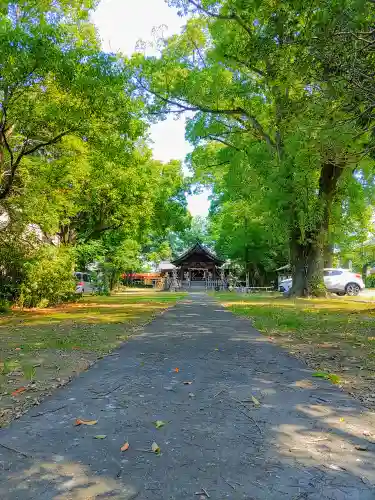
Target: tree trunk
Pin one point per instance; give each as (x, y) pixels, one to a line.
(247, 279)
(307, 266)
(307, 250)
(328, 255)
(364, 271)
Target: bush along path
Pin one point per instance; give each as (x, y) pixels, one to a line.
(198, 405)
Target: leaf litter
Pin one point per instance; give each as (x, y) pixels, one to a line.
(155, 448)
(80, 421)
(159, 424)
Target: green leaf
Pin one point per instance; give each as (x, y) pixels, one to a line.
(159, 424)
(100, 436)
(335, 379)
(255, 401)
(320, 375)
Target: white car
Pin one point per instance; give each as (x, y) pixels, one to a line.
(340, 281)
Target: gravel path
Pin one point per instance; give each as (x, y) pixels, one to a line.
(253, 424)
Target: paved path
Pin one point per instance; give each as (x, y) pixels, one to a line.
(299, 444)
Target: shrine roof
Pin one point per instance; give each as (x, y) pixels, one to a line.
(197, 250)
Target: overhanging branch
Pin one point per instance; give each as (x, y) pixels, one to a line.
(230, 17)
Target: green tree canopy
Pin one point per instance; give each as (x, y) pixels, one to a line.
(258, 84)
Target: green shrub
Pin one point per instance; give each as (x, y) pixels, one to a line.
(370, 281)
(12, 257)
(4, 306)
(49, 278)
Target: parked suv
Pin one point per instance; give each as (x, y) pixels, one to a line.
(340, 281)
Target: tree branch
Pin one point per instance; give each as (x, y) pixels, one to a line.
(194, 107)
(4, 136)
(231, 17)
(24, 152)
(47, 143)
(239, 111)
(239, 61)
(222, 141)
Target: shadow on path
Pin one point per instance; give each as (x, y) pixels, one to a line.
(305, 440)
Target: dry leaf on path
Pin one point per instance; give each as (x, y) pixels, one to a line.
(159, 424)
(79, 421)
(176, 370)
(155, 448)
(125, 446)
(20, 390)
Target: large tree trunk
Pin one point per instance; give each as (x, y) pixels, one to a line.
(307, 266)
(307, 250)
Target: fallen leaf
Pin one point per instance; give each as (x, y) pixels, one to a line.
(187, 382)
(79, 421)
(216, 349)
(176, 370)
(125, 446)
(255, 401)
(320, 375)
(335, 379)
(18, 391)
(100, 436)
(342, 419)
(155, 448)
(159, 424)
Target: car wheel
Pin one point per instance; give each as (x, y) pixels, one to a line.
(340, 294)
(352, 289)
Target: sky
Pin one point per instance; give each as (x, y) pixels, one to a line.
(121, 23)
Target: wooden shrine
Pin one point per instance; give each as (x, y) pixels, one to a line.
(198, 264)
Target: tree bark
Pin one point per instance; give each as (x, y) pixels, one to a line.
(307, 250)
(307, 265)
(328, 255)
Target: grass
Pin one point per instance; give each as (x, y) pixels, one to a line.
(41, 349)
(336, 337)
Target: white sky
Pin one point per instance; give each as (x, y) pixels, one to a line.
(121, 23)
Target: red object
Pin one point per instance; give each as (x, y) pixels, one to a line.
(80, 283)
(18, 391)
(141, 276)
(358, 276)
